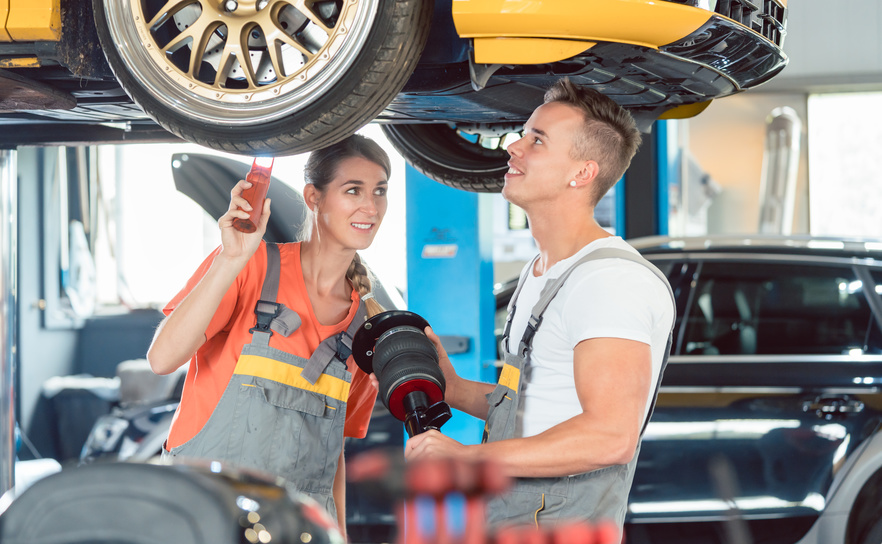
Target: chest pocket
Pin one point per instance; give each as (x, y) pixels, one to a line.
(290, 398)
(503, 401)
(289, 426)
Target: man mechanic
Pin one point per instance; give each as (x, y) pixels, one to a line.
(588, 331)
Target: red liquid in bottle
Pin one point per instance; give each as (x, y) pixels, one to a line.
(259, 177)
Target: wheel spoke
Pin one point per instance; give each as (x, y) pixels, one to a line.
(285, 38)
(273, 34)
(235, 49)
(197, 53)
(224, 65)
(189, 35)
(275, 54)
(167, 11)
(277, 31)
(244, 54)
(305, 7)
(197, 35)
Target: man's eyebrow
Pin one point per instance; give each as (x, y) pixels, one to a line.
(538, 131)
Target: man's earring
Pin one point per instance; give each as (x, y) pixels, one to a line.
(573, 183)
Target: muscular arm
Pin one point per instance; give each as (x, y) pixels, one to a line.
(612, 378)
(181, 333)
(465, 395)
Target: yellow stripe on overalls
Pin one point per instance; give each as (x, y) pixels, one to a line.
(277, 371)
(510, 377)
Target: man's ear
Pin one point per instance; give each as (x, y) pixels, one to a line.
(310, 196)
(587, 173)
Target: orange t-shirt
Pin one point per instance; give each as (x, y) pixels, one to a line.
(212, 366)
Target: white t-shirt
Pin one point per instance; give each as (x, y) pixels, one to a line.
(606, 298)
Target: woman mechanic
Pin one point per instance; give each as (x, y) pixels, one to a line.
(267, 329)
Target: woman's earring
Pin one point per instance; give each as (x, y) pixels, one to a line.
(573, 183)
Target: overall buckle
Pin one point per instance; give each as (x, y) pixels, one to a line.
(266, 311)
(343, 351)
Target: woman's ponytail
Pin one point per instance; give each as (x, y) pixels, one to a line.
(358, 276)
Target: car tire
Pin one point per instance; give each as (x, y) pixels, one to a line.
(330, 70)
(442, 153)
(874, 533)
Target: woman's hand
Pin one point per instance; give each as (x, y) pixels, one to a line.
(237, 244)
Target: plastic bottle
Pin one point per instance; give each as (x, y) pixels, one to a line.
(259, 177)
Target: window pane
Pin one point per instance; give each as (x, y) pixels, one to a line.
(845, 131)
(680, 275)
(874, 334)
(754, 308)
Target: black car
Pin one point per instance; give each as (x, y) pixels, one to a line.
(448, 79)
(766, 428)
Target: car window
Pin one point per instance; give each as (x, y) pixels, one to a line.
(757, 308)
(874, 336)
(680, 276)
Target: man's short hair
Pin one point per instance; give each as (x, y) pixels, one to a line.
(609, 134)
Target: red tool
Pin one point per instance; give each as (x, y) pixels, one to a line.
(259, 178)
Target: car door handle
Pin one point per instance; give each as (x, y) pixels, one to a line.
(828, 407)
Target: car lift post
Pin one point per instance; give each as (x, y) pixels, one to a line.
(450, 280)
(8, 307)
(643, 208)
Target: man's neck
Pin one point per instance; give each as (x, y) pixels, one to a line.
(562, 234)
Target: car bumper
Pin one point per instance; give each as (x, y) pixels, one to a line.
(531, 32)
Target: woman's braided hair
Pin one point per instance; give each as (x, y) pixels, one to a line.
(320, 169)
(359, 276)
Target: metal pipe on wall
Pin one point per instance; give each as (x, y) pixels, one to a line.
(8, 286)
(780, 165)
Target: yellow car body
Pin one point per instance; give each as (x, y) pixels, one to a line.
(30, 20)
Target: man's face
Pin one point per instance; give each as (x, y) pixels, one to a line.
(541, 165)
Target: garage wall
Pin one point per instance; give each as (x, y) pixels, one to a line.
(832, 46)
(42, 353)
(727, 140)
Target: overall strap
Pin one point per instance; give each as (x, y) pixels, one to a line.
(338, 346)
(271, 315)
(267, 308)
(512, 302)
(551, 288)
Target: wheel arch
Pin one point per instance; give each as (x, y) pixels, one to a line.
(856, 493)
(866, 507)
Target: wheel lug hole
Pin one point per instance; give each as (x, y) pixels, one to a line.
(231, 5)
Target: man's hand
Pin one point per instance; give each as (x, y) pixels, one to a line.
(434, 445)
(462, 394)
(447, 369)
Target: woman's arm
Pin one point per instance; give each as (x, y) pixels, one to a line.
(181, 333)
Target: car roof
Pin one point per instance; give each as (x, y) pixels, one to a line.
(756, 243)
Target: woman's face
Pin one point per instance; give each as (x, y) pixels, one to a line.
(353, 204)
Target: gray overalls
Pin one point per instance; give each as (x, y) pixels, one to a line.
(597, 495)
(281, 413)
